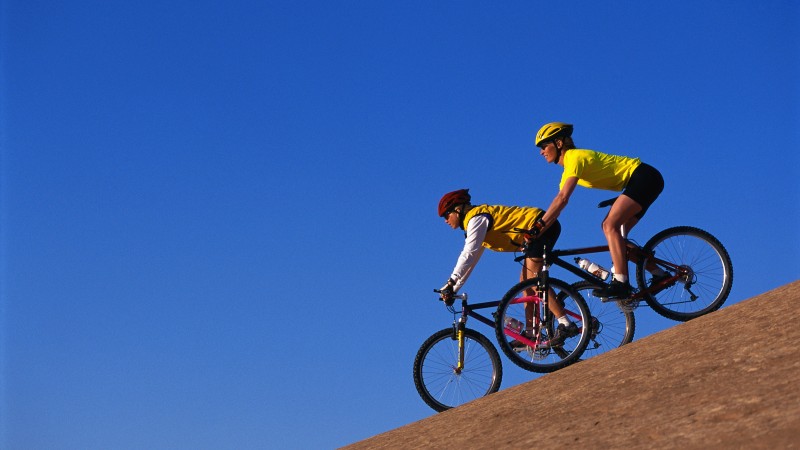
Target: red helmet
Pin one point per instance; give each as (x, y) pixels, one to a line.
(452, 199)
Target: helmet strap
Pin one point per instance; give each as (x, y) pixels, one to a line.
(463, 213)
(558, 150)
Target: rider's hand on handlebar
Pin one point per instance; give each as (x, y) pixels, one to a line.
(532, 234)
(447, 293)
(537, 228)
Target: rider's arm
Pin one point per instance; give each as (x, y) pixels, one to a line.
(561, 200)
(473, 249)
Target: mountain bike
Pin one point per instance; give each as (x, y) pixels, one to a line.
(695, 279)
(698, 272)
(458, 364)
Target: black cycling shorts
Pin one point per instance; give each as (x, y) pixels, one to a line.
(644, 187)
(548, 238)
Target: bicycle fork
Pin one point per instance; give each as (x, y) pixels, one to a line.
(460, 336)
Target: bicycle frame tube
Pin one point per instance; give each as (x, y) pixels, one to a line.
(468, 311)
(539, 302)
(554, 257)
(471, 313)
(634, 253)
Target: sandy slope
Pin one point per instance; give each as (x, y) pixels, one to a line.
(730, 379)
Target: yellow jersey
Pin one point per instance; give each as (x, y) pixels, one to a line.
(598, 170)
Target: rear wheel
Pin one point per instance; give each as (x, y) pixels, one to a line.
(699, 268)
(612, 326)
(539, 353)
(439, 381)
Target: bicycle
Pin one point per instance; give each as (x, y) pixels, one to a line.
(697, 278)
(699, 271)
(458, 364)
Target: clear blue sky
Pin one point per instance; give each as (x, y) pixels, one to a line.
(218, 225)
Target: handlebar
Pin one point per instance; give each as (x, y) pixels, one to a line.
(456, 296)
(529, 234)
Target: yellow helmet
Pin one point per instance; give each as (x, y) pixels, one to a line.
(553, 130)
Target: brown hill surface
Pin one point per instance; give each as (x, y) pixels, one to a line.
(730, 379)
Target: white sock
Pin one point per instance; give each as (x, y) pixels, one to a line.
(563, 320)
(621, 278)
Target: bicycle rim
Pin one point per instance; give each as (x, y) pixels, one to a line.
(541, 356)
(612, 326)
(701, 269)
(438, 381)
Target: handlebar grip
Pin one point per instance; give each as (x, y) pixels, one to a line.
(462, 296)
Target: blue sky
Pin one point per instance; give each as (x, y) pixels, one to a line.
(218, 224)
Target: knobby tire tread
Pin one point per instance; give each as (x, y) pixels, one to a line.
(448, 333)
(653, 302)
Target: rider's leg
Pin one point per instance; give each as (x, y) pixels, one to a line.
(628, 226)
(644, 186)
(633, 256)
(531, 270)
(621, 213)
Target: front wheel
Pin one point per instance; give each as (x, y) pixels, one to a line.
(535, 348)
(699, 273)
(439, 380)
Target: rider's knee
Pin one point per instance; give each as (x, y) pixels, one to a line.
(610, 227)
(606, 226)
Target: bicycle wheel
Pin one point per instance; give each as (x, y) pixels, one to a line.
(438, 380)
(612, 326)
(700, 273)
(540, 355)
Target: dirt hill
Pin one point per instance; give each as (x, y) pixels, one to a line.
(730, 379)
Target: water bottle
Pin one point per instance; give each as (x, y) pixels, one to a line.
(592, 268)
(513, 325)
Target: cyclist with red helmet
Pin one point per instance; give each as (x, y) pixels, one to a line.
(640, 184)
(492, 227)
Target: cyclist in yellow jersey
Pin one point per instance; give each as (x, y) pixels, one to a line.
(640, 184)
(492, 227)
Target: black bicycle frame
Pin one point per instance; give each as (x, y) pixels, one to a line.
(469, 311)
(554, 257)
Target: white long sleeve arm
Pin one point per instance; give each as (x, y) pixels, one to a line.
(473, 249)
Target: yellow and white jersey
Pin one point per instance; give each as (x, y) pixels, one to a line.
(492, 227)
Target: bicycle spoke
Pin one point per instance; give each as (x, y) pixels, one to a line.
(538, 352)
(701, 265)
(612, 326)
(437, 378)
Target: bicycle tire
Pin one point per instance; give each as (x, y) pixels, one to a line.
(543, 358)
(708, 273)
(615, 326)
(436, 379)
